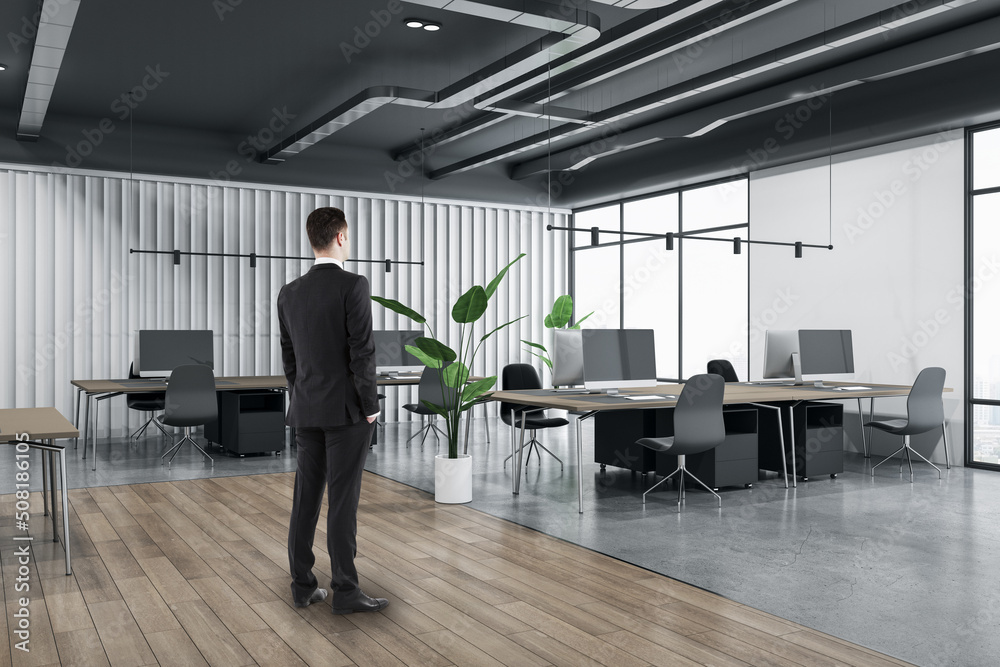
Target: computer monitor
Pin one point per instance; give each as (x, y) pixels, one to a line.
(159, 351)
(826, 351)
(391, 356)
(618, 358)
(781, 354)
(567, 357)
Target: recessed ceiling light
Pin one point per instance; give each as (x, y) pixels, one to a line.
(432, 27)
(2, 67)
(414, 23)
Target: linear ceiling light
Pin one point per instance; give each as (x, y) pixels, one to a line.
(55, 24)
(429, 26)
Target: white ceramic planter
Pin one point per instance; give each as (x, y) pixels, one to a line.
(453, 479)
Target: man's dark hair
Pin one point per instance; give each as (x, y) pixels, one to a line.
(323, 225)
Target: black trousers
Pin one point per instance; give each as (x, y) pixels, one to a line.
(333, 458)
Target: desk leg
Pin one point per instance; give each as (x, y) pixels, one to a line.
(579, 456)
(45, 481)
(65, 512)
(97, 423)
(516, 461)
(781, 438)
(86, 424)
(861, 425)
(791, 429)
(871, 418)
(513, 454)
(52, 487)
(76, 422)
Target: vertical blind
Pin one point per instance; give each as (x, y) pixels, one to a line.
(74, 296)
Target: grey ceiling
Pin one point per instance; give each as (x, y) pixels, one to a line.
(236, 67)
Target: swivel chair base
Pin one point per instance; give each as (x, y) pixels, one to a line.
(430, 427)
(142, 429)
(534, 444)
(682, 469)
(906, 448)
(187, 437)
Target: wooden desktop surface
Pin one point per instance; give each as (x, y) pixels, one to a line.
(736, 392)
(38, 423)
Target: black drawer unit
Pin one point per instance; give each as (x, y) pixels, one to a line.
(819, 439)
(733, 463)
(250, 422)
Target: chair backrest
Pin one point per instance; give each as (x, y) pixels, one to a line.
(145, 400)
(698, 415)
(430, 387)
(924, 405)
(724, 368)
(517, 376)
(191, 398)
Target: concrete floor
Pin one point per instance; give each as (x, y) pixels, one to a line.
(906, 569)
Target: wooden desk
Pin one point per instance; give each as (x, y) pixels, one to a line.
(765, 396)
(99, 390)
(42, 426)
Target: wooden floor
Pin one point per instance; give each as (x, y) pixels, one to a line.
(194, 572)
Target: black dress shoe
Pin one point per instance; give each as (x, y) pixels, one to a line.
(359, 602)
(318, 595)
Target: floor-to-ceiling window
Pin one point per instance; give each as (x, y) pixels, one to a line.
(983, 267)
(694, 296)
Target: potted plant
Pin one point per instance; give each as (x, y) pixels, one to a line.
(559, 318)
(453, 473)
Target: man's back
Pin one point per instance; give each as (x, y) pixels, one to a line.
(327, 347)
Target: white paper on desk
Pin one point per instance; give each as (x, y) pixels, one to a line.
(648, 397)
(856, 388)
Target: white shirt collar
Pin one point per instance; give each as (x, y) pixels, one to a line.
(328, 260)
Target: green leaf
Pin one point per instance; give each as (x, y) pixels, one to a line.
(501, 327)
(428, 361)
(538, 345)
(562, 311)
(470, 306)
(435, 349)
(542, 357)
(577, 325)
(474, 389)
(455, 375)
(548, 322)
(492, 287)
(397, 307)
(436, 408)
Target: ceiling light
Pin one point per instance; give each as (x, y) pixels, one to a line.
(2, 67)
(430, 26)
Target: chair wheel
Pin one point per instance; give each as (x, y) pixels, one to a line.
(603, 467)
(805, 479)
(748, 486)
(833, 475)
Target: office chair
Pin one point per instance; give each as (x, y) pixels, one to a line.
(190, 401)
(724, 368)
(524, 376)
(430, 390)
(698, 427)
(151, 401)
(924, 412)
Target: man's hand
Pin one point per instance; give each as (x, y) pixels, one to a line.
(370, 419)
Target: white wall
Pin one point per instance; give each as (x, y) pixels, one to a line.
(895, 275)
(73, 295)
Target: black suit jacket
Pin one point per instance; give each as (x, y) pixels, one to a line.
(327, 347)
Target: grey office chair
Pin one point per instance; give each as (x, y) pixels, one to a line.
(924, 412)
(524, 376)
(698, 427)
(724, 368)
(151, 401)
(430, 390)
(190, 401)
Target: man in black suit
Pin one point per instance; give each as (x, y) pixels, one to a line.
(329, 359)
